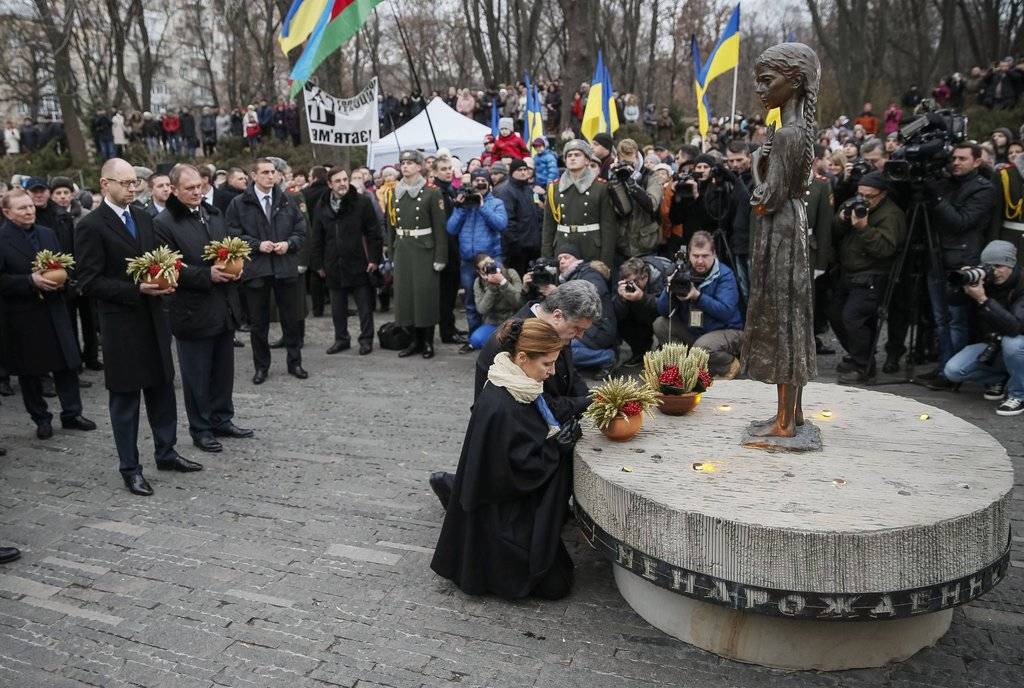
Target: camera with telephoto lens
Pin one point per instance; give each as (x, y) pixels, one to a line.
(622, 170)
(927, 144)
(992, 350)
(969, 275)
(471, 199)
(544, 273)
(860, 168)
(857, 207)
(684, 278)
(631, 287)
(682, 189)
(490, 268)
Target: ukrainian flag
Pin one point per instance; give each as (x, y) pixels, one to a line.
(533, 117)
(600, 114)
(300, 21)
(723, 57)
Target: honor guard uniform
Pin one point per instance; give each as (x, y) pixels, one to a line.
(418, 245)
(578, 210)
(1008, 219)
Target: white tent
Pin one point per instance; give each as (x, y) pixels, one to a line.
(463, 137)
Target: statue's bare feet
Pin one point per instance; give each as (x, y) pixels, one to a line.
(760, 423)
(773, 430)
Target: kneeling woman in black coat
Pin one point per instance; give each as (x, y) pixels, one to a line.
(502, 530)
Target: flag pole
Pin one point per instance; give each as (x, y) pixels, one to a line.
(732, 115)
(415, 77)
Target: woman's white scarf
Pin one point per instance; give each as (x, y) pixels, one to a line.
(504, 373)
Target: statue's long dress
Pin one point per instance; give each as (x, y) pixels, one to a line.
(778, 341)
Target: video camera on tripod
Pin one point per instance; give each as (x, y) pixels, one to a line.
(928, 143)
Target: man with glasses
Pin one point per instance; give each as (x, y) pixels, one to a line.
(870, 230)
(134, 328)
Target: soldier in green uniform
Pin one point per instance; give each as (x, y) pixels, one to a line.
(1008, 218)
(418, 244)
(578, 210)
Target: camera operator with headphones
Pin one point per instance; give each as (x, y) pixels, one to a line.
(701, 306)
(997, 292)
(870, 229)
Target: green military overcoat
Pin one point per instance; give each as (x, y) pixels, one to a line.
(568, 205)
(416, 282)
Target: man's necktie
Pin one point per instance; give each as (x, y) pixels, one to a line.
(266, 206)
(130, 224)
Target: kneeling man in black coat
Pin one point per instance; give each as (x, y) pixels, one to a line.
(204, 311)
(133, 325)
(38, 338)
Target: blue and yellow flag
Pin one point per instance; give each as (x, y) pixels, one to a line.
(723, 57)
(600, 113)
(494, 117)
(533, 117)
(300, 21)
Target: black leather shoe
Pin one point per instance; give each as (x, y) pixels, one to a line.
(941, 383)
(441, 483)
(413, 348)
(77, 423)
(428, 351)
(259, 377)
(338, 347)
(455, 339)
(891, 365)
(5, 389)
(365, 349)
(94, 364)
(232, 430)
(279, 344)
(238, 343)
(206, 443)
(137, 485)
(44, 430)
(179, 463)
(299, 372)
(9, 554)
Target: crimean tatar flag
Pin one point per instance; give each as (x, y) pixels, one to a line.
(600, 113)
(338, 22)
(723, 57)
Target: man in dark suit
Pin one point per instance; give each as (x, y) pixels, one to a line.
(160, 190)
(134, 328)
(38, 338)
(272, 224)
(204, 311)
(236, 182)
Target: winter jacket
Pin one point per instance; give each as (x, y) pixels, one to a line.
(602, 333)
(511, 146)
(171, 124)
(246, 219)
(874, 248)
(719, 301)
(1003, 311)
(496, 303)
(961, 217)
(523, 215)
(479, 228)
(545, 167)
(344, 242)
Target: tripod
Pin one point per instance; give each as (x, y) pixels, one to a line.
(920, 245)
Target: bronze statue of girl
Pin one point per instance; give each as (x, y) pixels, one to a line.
(778, 342)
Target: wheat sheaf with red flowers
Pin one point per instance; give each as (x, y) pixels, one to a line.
(152, 265)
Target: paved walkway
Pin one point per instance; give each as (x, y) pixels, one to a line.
(300, 558)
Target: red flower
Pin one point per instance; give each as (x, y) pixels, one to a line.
(178, 264)
(705, 377)
(632, 408)
(154, 270)
(54, 265)
(670, 376)
(222, 253)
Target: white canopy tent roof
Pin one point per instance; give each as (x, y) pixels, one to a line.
(463, 137)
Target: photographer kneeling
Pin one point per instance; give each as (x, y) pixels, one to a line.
(701, 307)
(998, 290)
(641, 281)
(498, 294)
(870, 229)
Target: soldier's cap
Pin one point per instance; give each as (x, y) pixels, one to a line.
(413, 155)
(875, 179)
(62, 183)
(35, 183)
(480, 173)
(499, 168)
(577, 145)
(143, 172)
(572, 249)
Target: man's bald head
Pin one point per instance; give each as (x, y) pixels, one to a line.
(118, 181)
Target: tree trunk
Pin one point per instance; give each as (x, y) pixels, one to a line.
(581, 25)
(58, 34)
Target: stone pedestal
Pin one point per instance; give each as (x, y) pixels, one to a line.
(853, 556)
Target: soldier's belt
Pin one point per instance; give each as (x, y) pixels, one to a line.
(414, 232)
(1018, 226)
(578, 229)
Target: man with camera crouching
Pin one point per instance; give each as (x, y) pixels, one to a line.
(960, 210)
(996, 289)
(641, 281)
(498, 294)
(870, 230)
(636, 196)
(700, 306)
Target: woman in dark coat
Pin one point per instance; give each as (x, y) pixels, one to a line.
(502, 531)
(37, 337)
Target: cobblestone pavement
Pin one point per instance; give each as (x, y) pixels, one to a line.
(300, 558)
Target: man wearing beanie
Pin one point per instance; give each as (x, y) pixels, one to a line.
(699, 204)
(578, 210)
(870, 230)
(603, 146)
(998, 360)
(509, 144)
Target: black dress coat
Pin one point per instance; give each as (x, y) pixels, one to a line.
(344, 243)
(37, 334)
(502, 530)
(135, 334)
(245, 218)
(198, 308)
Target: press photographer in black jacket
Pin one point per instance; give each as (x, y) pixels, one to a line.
(703, 200)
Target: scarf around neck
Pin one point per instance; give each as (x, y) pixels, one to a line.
(412, 189)
(524, 389)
